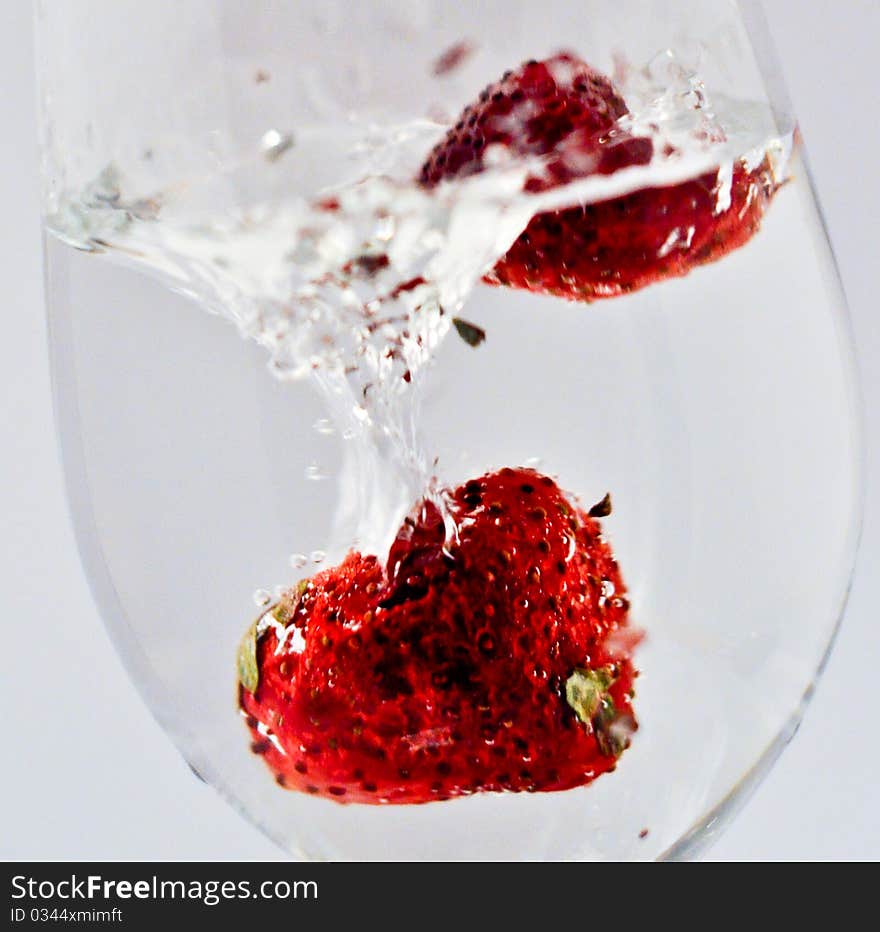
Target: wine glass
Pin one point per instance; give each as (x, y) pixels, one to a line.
(195, 157)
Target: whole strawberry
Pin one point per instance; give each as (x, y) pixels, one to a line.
(565, 112)
(498, 660)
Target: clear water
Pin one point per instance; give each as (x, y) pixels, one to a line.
(355, 284)
(718, 409)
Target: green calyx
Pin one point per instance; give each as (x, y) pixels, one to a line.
(248, 670)
(470, 333)
(586, 691)
(287, 605)
(282, 613)
(602, 508)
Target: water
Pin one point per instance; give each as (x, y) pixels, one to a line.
(355, 285)
(718, 409)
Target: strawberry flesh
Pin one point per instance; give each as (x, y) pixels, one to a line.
(565, 112)
(452, 669)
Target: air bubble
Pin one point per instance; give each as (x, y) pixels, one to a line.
(385, 229)
(324, 426)
(298, 560)
(275, 144)
(314, 473)
(318, 556)
(261, 598)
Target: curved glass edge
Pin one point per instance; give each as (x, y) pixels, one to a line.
(703, 834)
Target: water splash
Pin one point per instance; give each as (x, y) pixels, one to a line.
(355, 285)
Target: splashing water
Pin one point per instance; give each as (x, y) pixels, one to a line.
(355, 285)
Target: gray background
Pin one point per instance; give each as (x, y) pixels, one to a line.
(88, 774)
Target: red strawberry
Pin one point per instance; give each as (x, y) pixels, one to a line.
(565, 111)
(495, 661)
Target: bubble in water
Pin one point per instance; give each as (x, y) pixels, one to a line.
(261, 598)
(298, 560)
(349, 433)
(318, 556)
(275, 144)
(314, 473)
(324, 426)
(606, 592)
(534, 462)
(385, 229)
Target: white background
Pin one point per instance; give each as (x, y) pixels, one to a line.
(87, 773)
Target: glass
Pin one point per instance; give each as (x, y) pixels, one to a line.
(186, 146)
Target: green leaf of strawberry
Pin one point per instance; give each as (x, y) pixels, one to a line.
(601, 509)
(470, 333)
(585, 691)
(248, 668)
(285, 609)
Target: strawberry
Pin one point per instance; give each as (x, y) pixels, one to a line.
(495, 659)
(565, 112)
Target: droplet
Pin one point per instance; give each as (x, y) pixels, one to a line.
(298, 560)
(385, 229)
(275, 144)
(261, 598)
(314, 473)
(318, 556)
(324, 426)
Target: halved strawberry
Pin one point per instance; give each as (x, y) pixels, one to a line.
(565, 112)
(498, 660)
